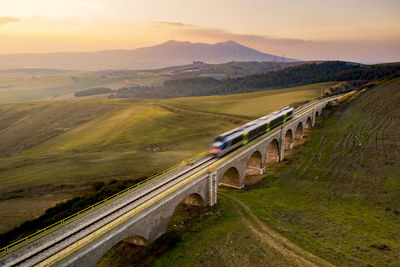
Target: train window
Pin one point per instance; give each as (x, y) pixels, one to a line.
(252, 133)
(261, 129)
(275, 122)
(219, 138)
(237, 140)
(257, 131)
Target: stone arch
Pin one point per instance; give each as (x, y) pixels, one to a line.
(288, 141)
(298, 135)
(308, 124)
(194, 200)
(153, 225)
(137, 240)
(318, 116)
(254, 166)
(190, 207)
(272, 155)
(231, 178)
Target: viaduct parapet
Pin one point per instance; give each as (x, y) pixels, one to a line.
(142, 214)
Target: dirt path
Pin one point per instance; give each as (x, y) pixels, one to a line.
(273, 239)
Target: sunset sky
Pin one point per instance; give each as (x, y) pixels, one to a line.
(356, 30)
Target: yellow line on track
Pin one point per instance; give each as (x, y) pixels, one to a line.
(111, 225)
(89, 210)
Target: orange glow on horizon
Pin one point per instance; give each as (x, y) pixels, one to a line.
(307, 30)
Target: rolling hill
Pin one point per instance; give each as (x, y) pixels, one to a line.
(171, 53)
(336, 197)
(35, 84)
(51, 150)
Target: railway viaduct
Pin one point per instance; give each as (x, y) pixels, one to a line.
(142, 215)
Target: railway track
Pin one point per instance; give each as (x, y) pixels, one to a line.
(32, 252)
(78, 230)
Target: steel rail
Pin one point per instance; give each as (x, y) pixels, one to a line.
(108, 227)
(121, 219)
(77, 231)
(66, 221)
(50, 229)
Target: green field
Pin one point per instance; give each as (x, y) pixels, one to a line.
(48, 145)
(337, 196)
(250, 104)
(25, 125)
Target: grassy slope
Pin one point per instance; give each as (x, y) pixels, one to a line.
(14, 211)
(338, 197)
(25, 125)
(250, 104)
(122, 138)
(118, 144)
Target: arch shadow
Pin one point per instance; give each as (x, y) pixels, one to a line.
(272, 155)
(131, 247)
(254, 167)
(298, 135)
(190, 207)
(308, 123)
(231, 178)
(288, 140)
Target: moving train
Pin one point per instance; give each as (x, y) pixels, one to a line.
(228, 141)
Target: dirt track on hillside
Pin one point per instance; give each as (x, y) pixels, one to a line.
(273, 239)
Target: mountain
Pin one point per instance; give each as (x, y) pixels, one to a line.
(171, 53)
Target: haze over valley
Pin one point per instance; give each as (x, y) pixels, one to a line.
(171, 53)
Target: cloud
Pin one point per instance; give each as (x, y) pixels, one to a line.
(172, 24)
(355, 49)
(223, 35)
(5, 20)
(227, 35)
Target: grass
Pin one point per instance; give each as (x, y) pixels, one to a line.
(33, 207)
(342, 197)
(220, 240)
(56, 143)
(338, 196)
(131, 142)
(108, 138)
(250, 104)
(25, 125)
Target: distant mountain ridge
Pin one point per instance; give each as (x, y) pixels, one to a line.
(171, 53)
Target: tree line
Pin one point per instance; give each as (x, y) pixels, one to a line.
(289, 77)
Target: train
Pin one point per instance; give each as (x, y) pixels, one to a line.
(233, 139)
